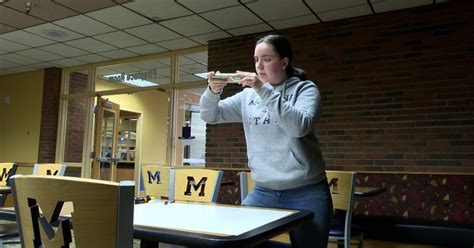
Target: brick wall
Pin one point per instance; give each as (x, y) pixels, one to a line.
(397, 89)
(76, 119)
(49, 115)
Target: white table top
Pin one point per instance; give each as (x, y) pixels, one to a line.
(222, 220)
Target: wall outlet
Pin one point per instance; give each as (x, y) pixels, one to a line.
(6, 100)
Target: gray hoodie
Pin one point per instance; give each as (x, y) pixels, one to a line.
(279, 121)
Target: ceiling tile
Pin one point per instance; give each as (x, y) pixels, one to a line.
(389, 5)
(193, 68)
(190, 25)
(294, 22)
(25, 38)
(83, 6)
(43, 9)
(85, 25)
(18, 59)
(67, 62)
(345, 13)
(190, 77)
(202, 6)
(91, 58)
(11, 17)
(5, 29)
(120, 39)
(327, 5)
(43, 65)
(16, 70)
(117, 54)
(11, 46)
(185, 60)
(40, 55)
(104, 71)
(63, 50)
(153, 33)
(54, 32)
(147, 49)
(119, 17)
(178, 44)
(90, 45)
(163, 10)
(204, 38)
(250, 29)
(232, 17)
(271, 10)
(177, 24)
(150, 64)
(124, 68)
(200, 57)
(6, 64)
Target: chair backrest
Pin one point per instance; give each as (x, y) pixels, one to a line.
(246, 184)
(342, 186)
(49, 169)
(101, 211)
(201, 185)
(156, 180)
(6, 171)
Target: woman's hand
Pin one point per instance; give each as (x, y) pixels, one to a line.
(216, 85)
(249, 79)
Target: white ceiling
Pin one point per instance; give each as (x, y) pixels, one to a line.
(64, 33)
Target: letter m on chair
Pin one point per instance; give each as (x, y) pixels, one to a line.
(6, 171)
(192, 184)
(201, 185)
(156, 180)
(101, 212)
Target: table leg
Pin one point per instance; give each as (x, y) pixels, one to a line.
(148, 244)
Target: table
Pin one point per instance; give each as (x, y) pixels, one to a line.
(211, 225)
(368, 191)
(5, 190)
(203, 224)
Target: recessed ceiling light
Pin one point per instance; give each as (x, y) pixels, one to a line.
(54, 33)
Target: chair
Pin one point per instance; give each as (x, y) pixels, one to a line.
(49, 169)
(199, 185)
(7, 170)
(101, 212)
(246, 184)
(342, 187)
(156, 180)
(9, 229)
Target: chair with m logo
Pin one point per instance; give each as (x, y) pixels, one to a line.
(199, 185)
(8, 228)
(101, 212)
(6, 171)
(49, 169)
(342, 187)
(156, 180)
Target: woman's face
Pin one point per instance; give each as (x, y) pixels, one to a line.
(268, 64)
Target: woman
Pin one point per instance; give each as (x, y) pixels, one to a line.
(278, 109)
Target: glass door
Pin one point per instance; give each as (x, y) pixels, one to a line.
(107, 115)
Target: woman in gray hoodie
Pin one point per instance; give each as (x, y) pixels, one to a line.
(278, 108)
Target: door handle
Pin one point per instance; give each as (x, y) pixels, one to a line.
(104, 159)
(115, 160)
